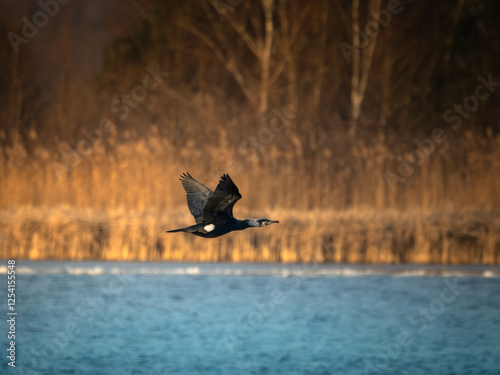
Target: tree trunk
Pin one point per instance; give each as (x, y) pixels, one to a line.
(355, 98)
(316, 94)
(265, 59)
(361, 65)
(385, 107)
(291, 73)
(449, 38)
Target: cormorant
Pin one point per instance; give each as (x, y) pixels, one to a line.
(213, 211)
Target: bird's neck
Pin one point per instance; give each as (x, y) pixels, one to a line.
(240, 224)
(243, 224)
(251, 223)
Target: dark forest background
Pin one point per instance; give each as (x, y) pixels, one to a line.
(339, 106)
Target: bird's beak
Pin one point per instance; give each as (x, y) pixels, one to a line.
(273, 221)
(268, 222)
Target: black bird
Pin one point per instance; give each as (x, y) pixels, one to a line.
(213, 211)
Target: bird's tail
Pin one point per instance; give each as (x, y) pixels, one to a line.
(176, 230)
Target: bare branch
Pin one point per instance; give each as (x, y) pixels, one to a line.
(219, 53)
(245, 36)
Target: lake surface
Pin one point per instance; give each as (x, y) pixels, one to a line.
(174, 318)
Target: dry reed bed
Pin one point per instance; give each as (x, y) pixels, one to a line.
(466, 237)
(137, 174)
(445, 212)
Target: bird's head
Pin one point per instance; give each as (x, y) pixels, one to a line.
(260, 222)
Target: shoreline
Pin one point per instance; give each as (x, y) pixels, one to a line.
(446, 237)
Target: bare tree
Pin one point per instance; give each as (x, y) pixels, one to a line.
(361, 63)
(255, 27)
(318, 78)
(451, 33)
(265, 55)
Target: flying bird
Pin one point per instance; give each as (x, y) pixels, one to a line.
(213, 211)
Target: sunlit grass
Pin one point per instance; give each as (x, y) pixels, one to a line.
(117, 204)
(315, 236)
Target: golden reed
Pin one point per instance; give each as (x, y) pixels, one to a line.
(116, 205)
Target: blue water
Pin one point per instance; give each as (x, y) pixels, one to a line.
(155, 318)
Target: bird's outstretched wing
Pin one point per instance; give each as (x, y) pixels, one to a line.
(222, 201)
(197, 196)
